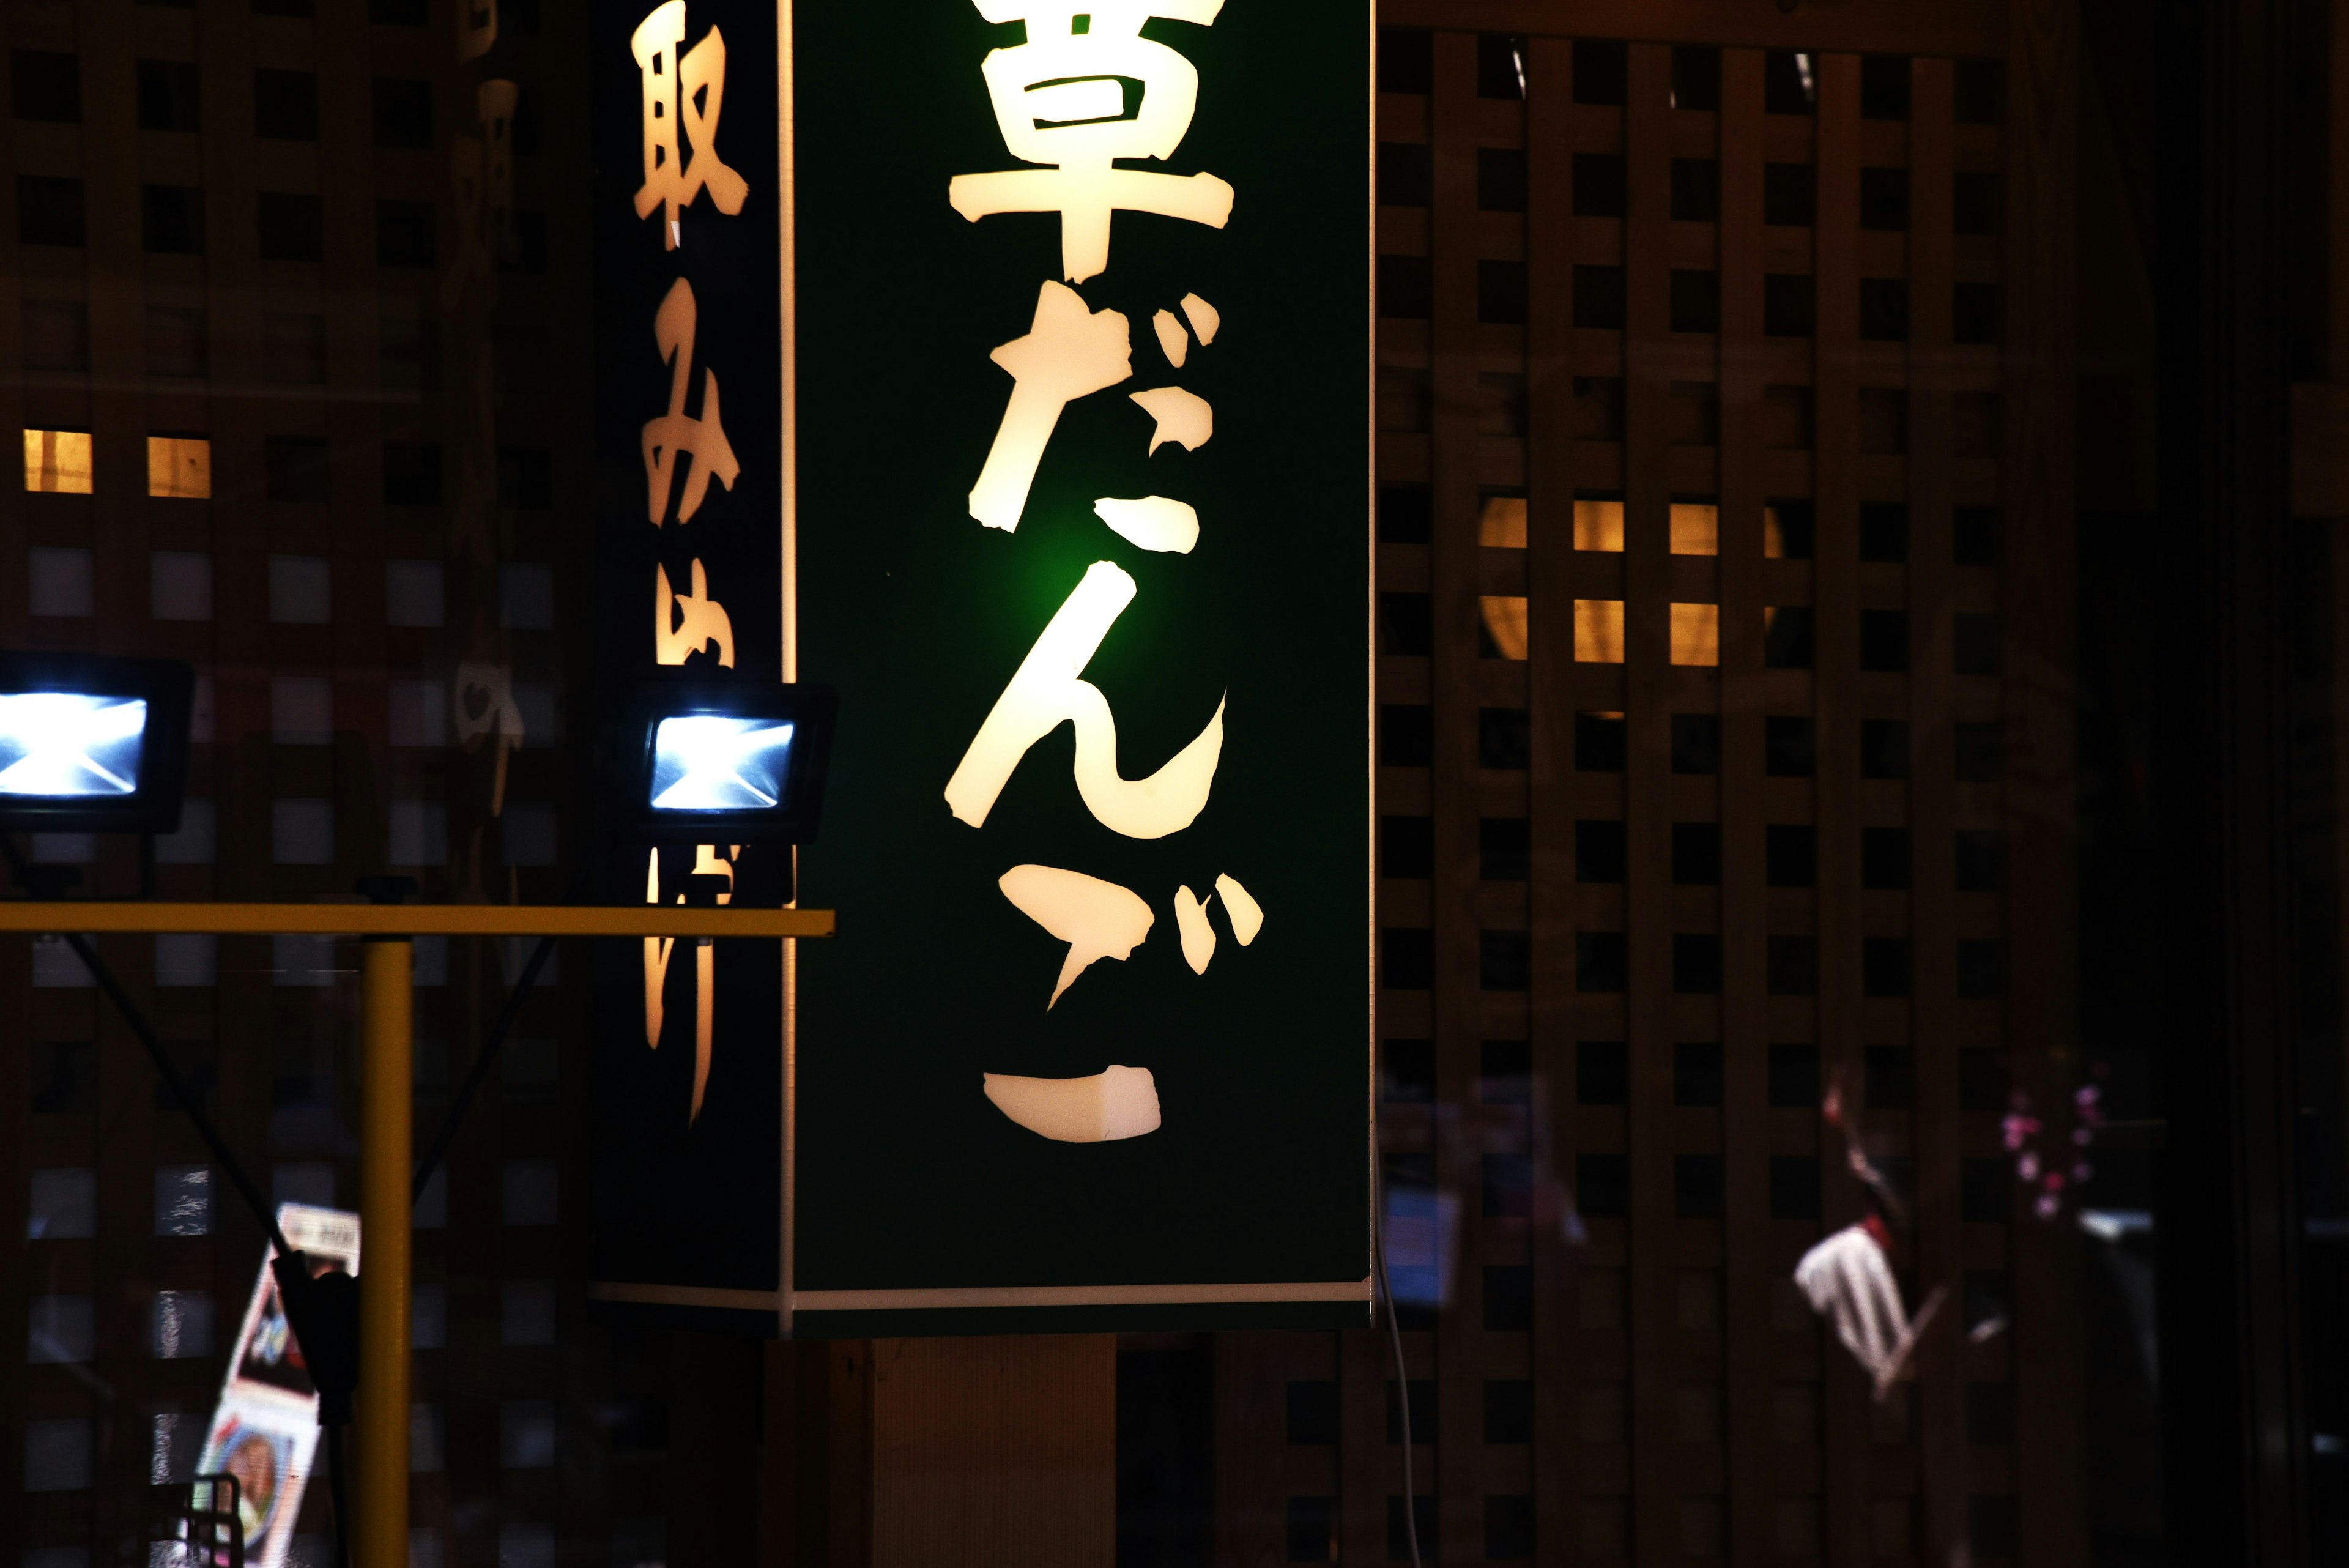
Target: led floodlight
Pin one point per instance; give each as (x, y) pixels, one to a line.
(90, 744)
(705, 762)
(708, 761)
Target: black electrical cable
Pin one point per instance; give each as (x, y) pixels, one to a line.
(88, 952)
(335, 1486)
(1394, 1335)
(481, 1066)
(237, 1177)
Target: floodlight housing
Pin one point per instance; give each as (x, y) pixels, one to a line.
(720, 762)
(92, 745)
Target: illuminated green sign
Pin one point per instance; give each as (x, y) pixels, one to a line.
(1080, 509)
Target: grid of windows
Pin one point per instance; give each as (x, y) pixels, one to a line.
(239, 447)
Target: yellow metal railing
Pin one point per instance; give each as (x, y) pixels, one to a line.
(413, 919)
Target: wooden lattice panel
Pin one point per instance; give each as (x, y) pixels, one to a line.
(1700, 548)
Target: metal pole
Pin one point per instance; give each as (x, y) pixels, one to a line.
(387, 1148)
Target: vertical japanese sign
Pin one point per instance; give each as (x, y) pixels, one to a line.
(688, 538)
(1081, 329)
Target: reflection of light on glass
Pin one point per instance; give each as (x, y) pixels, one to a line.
(161, 1467)
(69, 744)
(183, 1200)
(183, 1325)
(710, 762)
(1422, 1225)
(1774, 534)
(1810, 87)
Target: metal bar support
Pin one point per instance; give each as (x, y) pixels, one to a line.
(386, 1146)
(94, 917)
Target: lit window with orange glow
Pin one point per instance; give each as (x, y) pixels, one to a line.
(179, 467)
(1599, 525)
(58, 463)
(1598, 631)
(1696, 529)
(1696, 634)
(1504, 619)
(1501, 524)
(1059, 101)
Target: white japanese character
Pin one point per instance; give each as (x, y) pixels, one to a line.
(1098, 919)
(674, 328)
(682, 97)
(685, 624)
(1198, 935)
(706, 861)
(1067, 353)
(1059, 100)
(1048, 691)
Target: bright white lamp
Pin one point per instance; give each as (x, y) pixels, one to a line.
(92, 745)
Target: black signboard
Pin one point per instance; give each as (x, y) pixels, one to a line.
(690, 1067)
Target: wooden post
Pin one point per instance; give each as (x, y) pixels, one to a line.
(1000, 1450)
(387, 1153)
